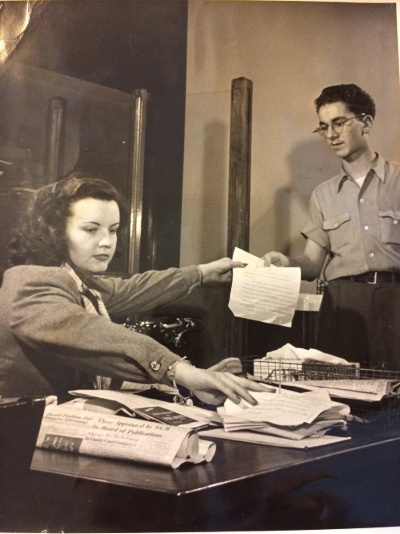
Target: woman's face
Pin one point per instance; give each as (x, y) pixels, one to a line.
(92, 233)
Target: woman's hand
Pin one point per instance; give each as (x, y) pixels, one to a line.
(213, 387)
(219, 270)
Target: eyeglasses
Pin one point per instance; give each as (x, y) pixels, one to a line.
(336, 125)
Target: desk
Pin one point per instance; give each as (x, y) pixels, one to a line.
(231, 491)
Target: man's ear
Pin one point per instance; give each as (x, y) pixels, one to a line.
(368, 122)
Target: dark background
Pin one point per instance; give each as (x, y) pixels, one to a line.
(119, 46)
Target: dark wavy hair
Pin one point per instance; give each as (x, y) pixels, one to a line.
(355, 98)
(40, 238)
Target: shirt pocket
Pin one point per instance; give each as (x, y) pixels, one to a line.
(390, 226)
(340, 230)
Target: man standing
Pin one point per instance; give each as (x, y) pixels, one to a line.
(353, 237)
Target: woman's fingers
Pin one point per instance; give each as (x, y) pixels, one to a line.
(219, 270)
(208, 383)
(234, 387)
(252, 385)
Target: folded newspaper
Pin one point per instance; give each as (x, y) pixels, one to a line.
(73, 427)
(126, 403)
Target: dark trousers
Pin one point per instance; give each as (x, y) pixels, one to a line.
(361, 323)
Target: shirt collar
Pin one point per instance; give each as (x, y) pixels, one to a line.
(81, 286)
(378, 166)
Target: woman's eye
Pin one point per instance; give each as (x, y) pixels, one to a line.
(91, 230)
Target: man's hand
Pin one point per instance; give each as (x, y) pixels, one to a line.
(310, 262)
(275, 258)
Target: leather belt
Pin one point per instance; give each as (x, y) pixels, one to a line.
(374, 277)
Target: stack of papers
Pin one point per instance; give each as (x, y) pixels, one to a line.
(290, 363)
(289, 352)
(287, 417)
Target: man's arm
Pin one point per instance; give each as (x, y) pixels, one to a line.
(310, 262)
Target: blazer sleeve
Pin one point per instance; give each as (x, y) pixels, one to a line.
(45, 314)
(148, 291)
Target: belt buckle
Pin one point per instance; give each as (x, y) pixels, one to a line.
(375, 278)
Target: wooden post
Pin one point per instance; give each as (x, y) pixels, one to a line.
(139, 107)
(239, 165)
(239, 191)
(55, 138)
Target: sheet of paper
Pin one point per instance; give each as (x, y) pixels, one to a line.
(266, 294)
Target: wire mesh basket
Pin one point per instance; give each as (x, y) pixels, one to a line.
(383, 413)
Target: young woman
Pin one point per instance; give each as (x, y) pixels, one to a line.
(55, 309)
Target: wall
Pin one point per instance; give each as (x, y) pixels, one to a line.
(291, 51)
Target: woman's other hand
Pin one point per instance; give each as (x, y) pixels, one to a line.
(214, 387)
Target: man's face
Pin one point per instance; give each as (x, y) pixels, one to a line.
(351, 142)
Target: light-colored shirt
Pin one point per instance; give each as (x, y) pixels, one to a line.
(358, 227)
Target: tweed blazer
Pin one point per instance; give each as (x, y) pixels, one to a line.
(48, 340)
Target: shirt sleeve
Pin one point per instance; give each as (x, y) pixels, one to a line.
(313, 228)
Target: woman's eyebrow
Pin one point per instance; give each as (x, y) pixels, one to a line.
(99, 224)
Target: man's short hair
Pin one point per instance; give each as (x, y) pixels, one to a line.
(355, 98)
